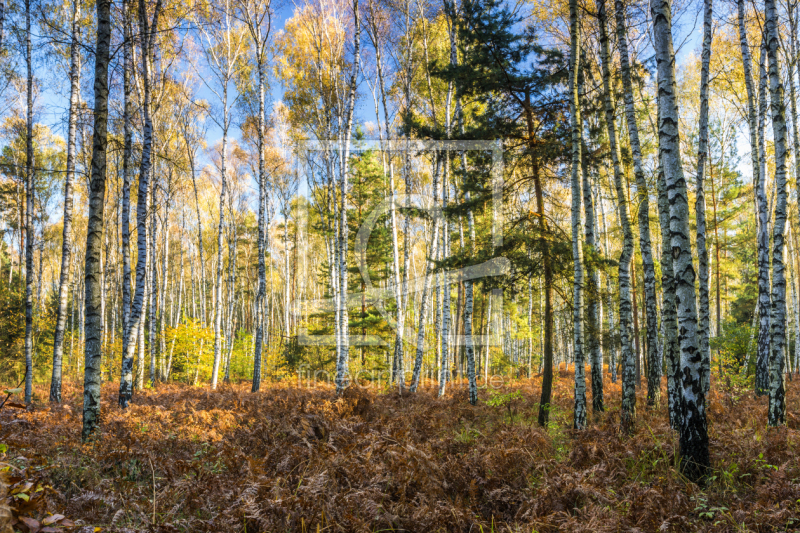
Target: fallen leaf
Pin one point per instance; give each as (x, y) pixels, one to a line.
(33, 525)
(52, 519)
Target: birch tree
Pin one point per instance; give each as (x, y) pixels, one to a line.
(29, 199)
(94, 234)
(223, 49)
(700, 208)
(628, 412)
(63, 282)
(693, 429)
(654, 369)
(148, 33)
(777, 401)
(257, 15)
(579, 413)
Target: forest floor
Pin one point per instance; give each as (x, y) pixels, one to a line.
(188, 459)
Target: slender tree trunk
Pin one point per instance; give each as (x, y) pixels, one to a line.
(593, 317)
(262, 192)
(764, 298)
(547, 372)
(777, 401)
(648, 267)
(628, 412)
(700, 207)
(127, 55)
(220, 247)
(429, 268)
(29, 195)
(63, 282)
(342, 364)
(579, 411)
(693, 429)
(153, 317)
(147, 36)
(94, 234)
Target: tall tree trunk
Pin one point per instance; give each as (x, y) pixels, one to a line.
(342, 364)
(29, 199)
(628, 412)
(544, 247)
(66, 239)
(94, 233)
(700, 207)
(752, 120)
(593, 306)
(444, 251)
(579, 410)
(147, 37)
(153, 317)
(127, 58)
(220, 247)
(777, 401)
(429, 268)
(262, 192)
(764, 298)
(648, 267)
(693, 429)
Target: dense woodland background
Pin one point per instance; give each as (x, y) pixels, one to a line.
(184, 192)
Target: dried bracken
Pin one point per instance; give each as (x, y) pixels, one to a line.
(290, 459)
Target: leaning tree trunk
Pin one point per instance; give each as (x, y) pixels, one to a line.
(579, 411)
(777, 401)
(700, 206)
(693, 428)
(628, 412)
(29, 229)
(94, 232)
(762, 310)
(63, 281)
(649, 271)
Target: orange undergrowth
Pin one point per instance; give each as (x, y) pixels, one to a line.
(300, 459)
